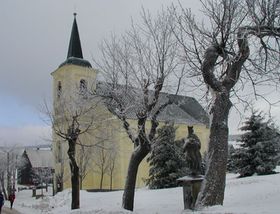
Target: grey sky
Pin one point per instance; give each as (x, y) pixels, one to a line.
(34, 36)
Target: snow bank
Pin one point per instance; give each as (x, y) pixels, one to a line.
(257, 194)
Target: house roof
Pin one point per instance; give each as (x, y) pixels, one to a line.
(191, 106)
(183, 109)
(40, 158)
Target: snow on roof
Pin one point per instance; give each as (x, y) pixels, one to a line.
(183, 109)
(40, 158)
(174, 113)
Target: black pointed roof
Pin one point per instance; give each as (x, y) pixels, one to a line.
(75, 48)
(75, 54)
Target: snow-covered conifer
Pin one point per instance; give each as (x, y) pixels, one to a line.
(258, 152)
(167, 162)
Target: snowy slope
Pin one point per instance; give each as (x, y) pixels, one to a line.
(258, 194)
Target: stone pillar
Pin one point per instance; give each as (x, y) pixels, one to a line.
(34, 192)
(191, 187)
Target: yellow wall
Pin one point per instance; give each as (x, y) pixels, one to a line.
(125, 148)
(70, 76)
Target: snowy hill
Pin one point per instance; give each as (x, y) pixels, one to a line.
(257, 194)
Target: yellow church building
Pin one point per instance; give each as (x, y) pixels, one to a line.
(104, 150)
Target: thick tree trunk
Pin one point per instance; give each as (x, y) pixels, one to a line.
(81, 182)
(137, 156)
(81, 169)
(75, 204)
(213, 186)
(61, 175)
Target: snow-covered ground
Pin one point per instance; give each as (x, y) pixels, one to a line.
(257, 194)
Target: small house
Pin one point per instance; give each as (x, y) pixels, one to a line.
(35, 167)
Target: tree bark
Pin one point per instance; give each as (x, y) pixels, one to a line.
(61, 176)
(81, 182)
(140, 152)
(213, 186)
(9, 189)
(111, 181)
(81, 170)
(101, 179)
(75, 204)
(2, 179)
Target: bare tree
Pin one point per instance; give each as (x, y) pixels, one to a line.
(74, 116)
(236, 43)
(101, 160)
(136, 67)
(113, 150)
(42, 176)
(84, 162)
(104, 161)
(3, 169)
(60, 158)
(8, 165)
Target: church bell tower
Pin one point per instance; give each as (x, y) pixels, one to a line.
(75, 73)
(73, 76)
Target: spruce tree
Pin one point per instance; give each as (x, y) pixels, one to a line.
(231, 165)
(258, 152)
(166, 160)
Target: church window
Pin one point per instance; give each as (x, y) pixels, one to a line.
(59, 89)
(83, 86)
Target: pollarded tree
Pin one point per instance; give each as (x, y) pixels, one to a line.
(136, 68)
(258, 152)
(237, 40)
(75, 116)
(167, 160)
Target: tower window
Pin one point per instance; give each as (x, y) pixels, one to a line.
(59, 89)
(83, 86)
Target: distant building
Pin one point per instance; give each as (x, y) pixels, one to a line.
(35, 167)
(76, 74)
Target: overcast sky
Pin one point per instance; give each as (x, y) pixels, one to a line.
(34, 37)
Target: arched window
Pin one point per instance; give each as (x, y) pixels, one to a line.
(59, 89)
(83, 86)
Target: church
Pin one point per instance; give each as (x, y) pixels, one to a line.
(104, 150)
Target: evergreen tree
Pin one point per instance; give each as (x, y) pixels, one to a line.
(258, 152)
(231, 163)
(167, 162)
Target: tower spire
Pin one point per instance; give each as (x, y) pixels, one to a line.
(75, 54)
(75, 48)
